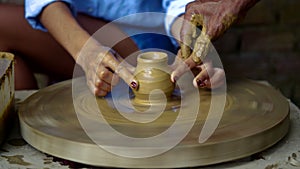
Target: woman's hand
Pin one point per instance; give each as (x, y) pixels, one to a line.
(102, 68)
(206, 76)
(98, 62)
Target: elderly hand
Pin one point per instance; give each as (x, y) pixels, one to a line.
(214, 17)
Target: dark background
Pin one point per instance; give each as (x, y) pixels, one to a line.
(266, 46)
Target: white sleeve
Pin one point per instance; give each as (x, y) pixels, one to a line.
(174, 8)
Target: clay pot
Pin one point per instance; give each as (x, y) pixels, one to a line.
(153, 72)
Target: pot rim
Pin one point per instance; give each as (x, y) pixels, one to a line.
(152, 57)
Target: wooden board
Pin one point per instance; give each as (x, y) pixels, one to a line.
(256, 117)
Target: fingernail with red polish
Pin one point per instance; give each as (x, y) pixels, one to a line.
(134, 85)
(175, 79)
(200, 83)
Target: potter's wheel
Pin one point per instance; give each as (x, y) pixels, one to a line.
(256, 117)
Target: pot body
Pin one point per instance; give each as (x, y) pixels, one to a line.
(152, 73)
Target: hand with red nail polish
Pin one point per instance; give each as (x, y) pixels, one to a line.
(103, 69)
(206, 75)
(209, 76)
(101, 64)
(214, 17)
(134, 85)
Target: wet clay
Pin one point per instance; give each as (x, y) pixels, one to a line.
(203, 40)
(153, 75)
(16, 159)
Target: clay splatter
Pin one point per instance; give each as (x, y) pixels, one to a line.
(48, 160)
(17, 159)
(293, 160)
(272, 166)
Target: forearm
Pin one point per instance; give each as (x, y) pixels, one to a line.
(58, 19)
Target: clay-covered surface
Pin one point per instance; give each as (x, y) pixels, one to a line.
(256, 117)
(6, 92)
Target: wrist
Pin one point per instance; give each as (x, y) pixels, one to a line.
(241, 7)
(87, 52)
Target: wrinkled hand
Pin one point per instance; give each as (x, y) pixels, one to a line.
(103, 69)
(214, 16)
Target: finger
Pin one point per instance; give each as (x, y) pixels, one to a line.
(217, 80)
(97, 86)
(107, 76)
(177, 61)
(201, 48)
(115, 80)
(110, 61)
(102, 85)
(129, 67)
(188, 31)
(127, 77)
(190, 63)
(104, 74)
(181, 68)
(201, 79)
(100, 93)
(186, 38)
(96, 91)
